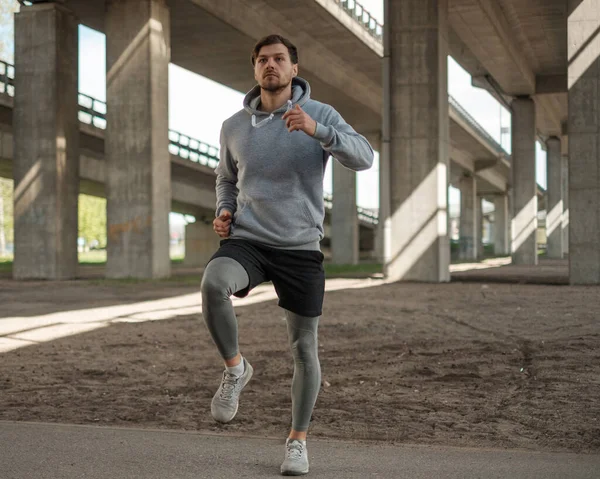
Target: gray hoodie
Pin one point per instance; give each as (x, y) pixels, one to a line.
(271, 180)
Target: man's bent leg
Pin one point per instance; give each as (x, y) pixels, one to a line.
(222, 278)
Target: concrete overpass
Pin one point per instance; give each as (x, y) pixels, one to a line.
(541, 59)
(341, 54)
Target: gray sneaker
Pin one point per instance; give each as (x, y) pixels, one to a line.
(225, 402)
(296, 458)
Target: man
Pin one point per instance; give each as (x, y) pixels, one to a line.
(270, 213)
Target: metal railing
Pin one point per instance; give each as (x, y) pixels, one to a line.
(363, 214)
(194, 150)
(7, 78)
(471, 121)
(363, 17)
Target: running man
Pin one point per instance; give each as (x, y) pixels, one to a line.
(270, 213)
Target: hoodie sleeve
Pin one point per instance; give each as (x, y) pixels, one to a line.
(339, 139)
(226, 171)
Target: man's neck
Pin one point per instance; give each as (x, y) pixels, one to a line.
(273, 100)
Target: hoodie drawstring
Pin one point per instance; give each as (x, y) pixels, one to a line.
(269, 118)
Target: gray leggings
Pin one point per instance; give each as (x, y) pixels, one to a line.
(222, 278)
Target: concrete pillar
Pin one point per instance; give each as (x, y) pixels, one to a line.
(344, 221)
(468, 235)
(524, 186)
(501, 222)
(584, 135)
(201, 242)
(554, 207)
(46, 143)
(565, 192)
(417, 32)
(137, 156)
(479, 205)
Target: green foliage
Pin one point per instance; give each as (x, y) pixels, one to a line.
(92, 220)
(7, 232)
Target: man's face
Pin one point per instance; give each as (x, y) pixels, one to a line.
(273, 69)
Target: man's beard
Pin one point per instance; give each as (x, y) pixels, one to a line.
(274, 87)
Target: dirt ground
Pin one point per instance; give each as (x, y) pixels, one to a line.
(463, 364)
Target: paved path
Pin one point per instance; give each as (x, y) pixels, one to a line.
(54, 451)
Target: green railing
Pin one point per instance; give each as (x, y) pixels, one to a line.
(7, 78)
(363, 17)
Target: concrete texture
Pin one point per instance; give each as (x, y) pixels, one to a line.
(468, 231)
(554, 215)
(479, 225)
(201, 242)
(48, 451)
(344, 222)
(46, 143)
(565, 192)
(137, 155)
(419, 149)
(524, 187)
(501, 225)
(584, 134)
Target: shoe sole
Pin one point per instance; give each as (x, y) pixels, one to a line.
(294, 473)
(237, 406)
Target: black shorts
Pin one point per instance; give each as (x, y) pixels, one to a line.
(297, 275)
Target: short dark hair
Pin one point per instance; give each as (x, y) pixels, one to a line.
(274, 40)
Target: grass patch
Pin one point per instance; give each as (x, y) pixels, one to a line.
(6, 263)
(361, 268)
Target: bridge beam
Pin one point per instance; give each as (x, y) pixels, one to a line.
(46, 143)
(416, 40)
(137, 155)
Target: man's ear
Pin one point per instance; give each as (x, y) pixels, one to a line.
(295, 71)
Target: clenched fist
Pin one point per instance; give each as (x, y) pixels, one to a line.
(222, 224)
(298, 119)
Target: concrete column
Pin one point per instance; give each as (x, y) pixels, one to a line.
(524, 186)
(479, 205)
(468, 236)
(565, 192)
(344, 221)
(584, 135)
(201, 243)
(554, 208)
(501, 222)
(46, 143)
(417, 32)
(137, 156)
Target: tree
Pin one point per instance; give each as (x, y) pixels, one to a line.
(92, 220)
(6, 215)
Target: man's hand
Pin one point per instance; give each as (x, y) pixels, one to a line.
(222, 224)
(298, 119)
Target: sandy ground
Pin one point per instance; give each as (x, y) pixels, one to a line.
(463, 364)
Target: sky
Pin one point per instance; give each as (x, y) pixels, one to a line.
(191, 94)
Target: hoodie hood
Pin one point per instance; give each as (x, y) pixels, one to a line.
(300, 95)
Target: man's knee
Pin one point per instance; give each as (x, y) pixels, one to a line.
(304, 346)
(214, 283)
